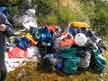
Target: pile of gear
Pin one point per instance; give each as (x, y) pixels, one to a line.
(69, 52)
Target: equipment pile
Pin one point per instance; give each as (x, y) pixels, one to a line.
(69, 52)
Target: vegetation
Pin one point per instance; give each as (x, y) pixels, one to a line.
(93, 12)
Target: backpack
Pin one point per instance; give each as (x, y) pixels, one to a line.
(42, 35)
(70, 60)
(98, 61)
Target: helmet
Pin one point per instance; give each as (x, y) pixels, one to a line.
(79, 25)
(66, 40)
(80, 39)
(52, 28)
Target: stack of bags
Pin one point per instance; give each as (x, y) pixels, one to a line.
(83, 52)
(69, 52)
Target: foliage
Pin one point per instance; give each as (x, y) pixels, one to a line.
(52, 19)
(96, 10)
(100, 22)
(93, 12)
(64, 15)
(44, 7)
